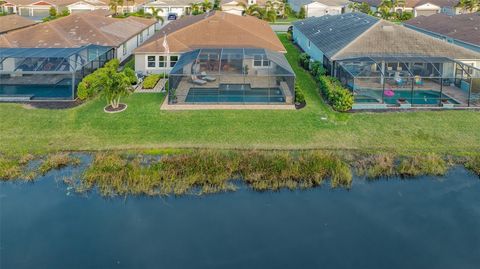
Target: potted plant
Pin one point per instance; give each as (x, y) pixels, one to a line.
(403, 103)
(245, 69)
(446, 103)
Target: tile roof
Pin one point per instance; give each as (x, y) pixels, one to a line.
(332, 33)
(325, 2)
(413, 3)
(339, 37)
(464, 27)
(214, 30)
(77, 30)
(13, 22)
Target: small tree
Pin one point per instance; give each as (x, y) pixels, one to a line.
(116, 84)
(302, 13)
(52, 12)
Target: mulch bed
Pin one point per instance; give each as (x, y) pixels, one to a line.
(301, 105)
(54, 105)
(120, 108)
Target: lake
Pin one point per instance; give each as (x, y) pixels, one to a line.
(427, 222)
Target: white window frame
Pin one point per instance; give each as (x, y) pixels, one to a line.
(149, 61)
(264, 62)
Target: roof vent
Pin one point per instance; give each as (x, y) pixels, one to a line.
(330, 29)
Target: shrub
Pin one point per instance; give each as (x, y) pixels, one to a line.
(340, 99)
(131, 75)
(150, 81)
(85, 88)
(317, 69)
(299, 96)
(304, 61)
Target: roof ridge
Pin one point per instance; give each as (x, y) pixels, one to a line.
(356, 39)
(98, 29)
(254, 33)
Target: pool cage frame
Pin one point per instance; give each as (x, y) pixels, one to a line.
(353, 72)
(246, 75)
(63, 67)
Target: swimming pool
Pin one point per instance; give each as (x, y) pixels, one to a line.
(235, 93)
(419, 97)
(37, 92)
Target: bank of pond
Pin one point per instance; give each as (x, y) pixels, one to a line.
(213, 171)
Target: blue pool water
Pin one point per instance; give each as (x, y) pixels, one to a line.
(235, 93)
(422, 97)
(37, 91)
(428, 222)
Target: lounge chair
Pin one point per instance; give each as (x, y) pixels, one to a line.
(198, 81)
(204, 76)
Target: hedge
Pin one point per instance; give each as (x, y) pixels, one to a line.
(150, 81)
(340, 99)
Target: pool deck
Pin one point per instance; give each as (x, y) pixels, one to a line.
(166, 106)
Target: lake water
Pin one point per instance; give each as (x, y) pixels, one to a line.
(428, 222)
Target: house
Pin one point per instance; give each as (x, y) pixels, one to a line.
(236, 7)
(76, 30)
(39, 9)
(166, 7)
(318, 8)
(14, 22)
(462, 30)
(419, 7)
(386, 65)
(48, 60)
(218, 57)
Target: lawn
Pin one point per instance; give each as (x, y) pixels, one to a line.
(144, 126)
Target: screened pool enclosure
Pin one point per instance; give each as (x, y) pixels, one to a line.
(381, 82)
(34, 74)
(231, 75)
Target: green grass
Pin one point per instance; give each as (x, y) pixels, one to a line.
(144, 126)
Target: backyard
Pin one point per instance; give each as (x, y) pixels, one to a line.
(144, 126)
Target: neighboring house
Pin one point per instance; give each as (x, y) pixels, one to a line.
(318, 8)
(41, 9)
(419, 7)
(388, 65)
(14, 22)
(462, 30)
(236, 7)
(178, 7)
(219, 57)
(277, 5)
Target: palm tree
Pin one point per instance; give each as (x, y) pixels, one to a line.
(385, 8)
(469, 5)
(195, 8)
(253, 10)
(206, 5)
(155, 12)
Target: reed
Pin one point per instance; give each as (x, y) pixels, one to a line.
(376, 166)
(429, 164)
(473, 164)
(10, 168)
(57, 161)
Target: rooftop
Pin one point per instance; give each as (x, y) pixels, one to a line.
(355, 35)
(464, 27)
(13, 22)
(77, 30)
(214, 30)
(413, 3)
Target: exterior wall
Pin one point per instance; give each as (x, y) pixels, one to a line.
(233, 9)
(82, 7)
(141, 63)
(426, 10)
(307, 46)
(317, 10)
(126, 49)
(165, 10)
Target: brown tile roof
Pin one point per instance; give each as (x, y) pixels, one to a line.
(215, 29)
(413, 3)
(63, 3)
(77, 30)
(13, 22)
(389, 39)
(464, 27)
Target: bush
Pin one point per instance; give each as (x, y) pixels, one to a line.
(340, 99)
(85, 88)
(299, 96)
(131, 75)
(150, 81)
(304, 61)
(317, 69)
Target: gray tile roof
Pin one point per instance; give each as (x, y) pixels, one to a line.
(332, 33)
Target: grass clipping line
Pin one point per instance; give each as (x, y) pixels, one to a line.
(202, 172)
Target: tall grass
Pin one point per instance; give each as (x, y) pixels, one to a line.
(56, 161)
(376, 166)
(473, 164)
(205, 171)
(14, 167)
(429, 164)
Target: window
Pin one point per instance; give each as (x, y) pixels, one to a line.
(308, 43)
(141, 37)
(124, 49)
(173, 60)
(260, 61)
(162, 61)
(151, 61)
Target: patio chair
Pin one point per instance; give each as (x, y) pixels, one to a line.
(198, 81)
(204, 76)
